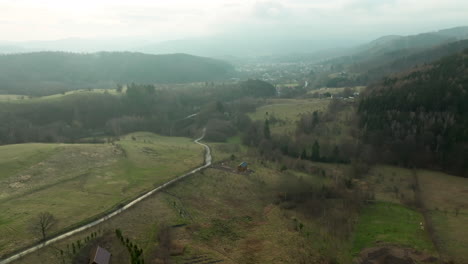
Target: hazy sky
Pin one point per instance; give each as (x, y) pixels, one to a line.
(171, 19)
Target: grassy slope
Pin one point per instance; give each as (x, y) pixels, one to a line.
(441, 195)
(390, 220)
(76, 182)
(393, 224)
(231, 217)
(13, 158)
(335, 90)
(25, 99)
(288, 110)
(392, 185)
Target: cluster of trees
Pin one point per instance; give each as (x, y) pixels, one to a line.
(311, 140)
(420, 118)
(141, 108)
(136, 253)
(45, 73)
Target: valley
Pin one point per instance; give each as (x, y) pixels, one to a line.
(269, 152)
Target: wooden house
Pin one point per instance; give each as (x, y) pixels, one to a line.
(242, 167)
(99, 256)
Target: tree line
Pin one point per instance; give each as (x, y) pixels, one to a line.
(45, 73)
(140, 108)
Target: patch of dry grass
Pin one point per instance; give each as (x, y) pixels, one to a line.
(77, 182)
(230, 217)
(444, 195)
(392, 184)
(288, 111)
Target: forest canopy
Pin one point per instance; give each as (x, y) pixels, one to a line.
(421, 117)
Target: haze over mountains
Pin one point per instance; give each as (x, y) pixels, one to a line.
(41, 73)
(248, 45)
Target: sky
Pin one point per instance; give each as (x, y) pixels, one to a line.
(25, 20)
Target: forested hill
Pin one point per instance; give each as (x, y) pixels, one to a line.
(421, 117)
(391, 54)
(51, 72)
(389, 63)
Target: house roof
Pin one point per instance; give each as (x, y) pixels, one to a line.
(243, 164)
(100, 256)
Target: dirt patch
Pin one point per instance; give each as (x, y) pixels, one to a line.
(267, 209)
(394, 255)
(16, 185)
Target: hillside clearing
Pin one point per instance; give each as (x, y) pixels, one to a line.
(287, 111)
(386, 223)
(446, 198)
(78, 182)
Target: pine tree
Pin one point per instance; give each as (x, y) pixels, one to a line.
(316, 151)
(304, 154)
(266, 130)
(336, 154)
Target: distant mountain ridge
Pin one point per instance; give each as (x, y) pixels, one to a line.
(390, 54)
(417, 42)
(405, 60)
(49, 72)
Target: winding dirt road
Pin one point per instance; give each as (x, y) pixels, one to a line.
(207, 163)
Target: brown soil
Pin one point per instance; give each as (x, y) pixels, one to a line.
(394, 255)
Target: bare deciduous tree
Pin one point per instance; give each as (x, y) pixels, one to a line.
(42, 224)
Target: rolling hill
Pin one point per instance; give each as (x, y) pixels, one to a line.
(43, 73)
(368, 63)
(392, 43)
(397, 61)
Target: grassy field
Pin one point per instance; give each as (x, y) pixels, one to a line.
(288, 111)
(335, 90)
(387, 223)
(76, 182)
(443, 195)
(392, 184)
(444, 198)
(229, 217)
(234, 218)
(24, 98)
(12, 97)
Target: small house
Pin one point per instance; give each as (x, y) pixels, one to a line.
(99, 256)
(242, 167)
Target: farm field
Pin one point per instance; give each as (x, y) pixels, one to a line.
(76, 182)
